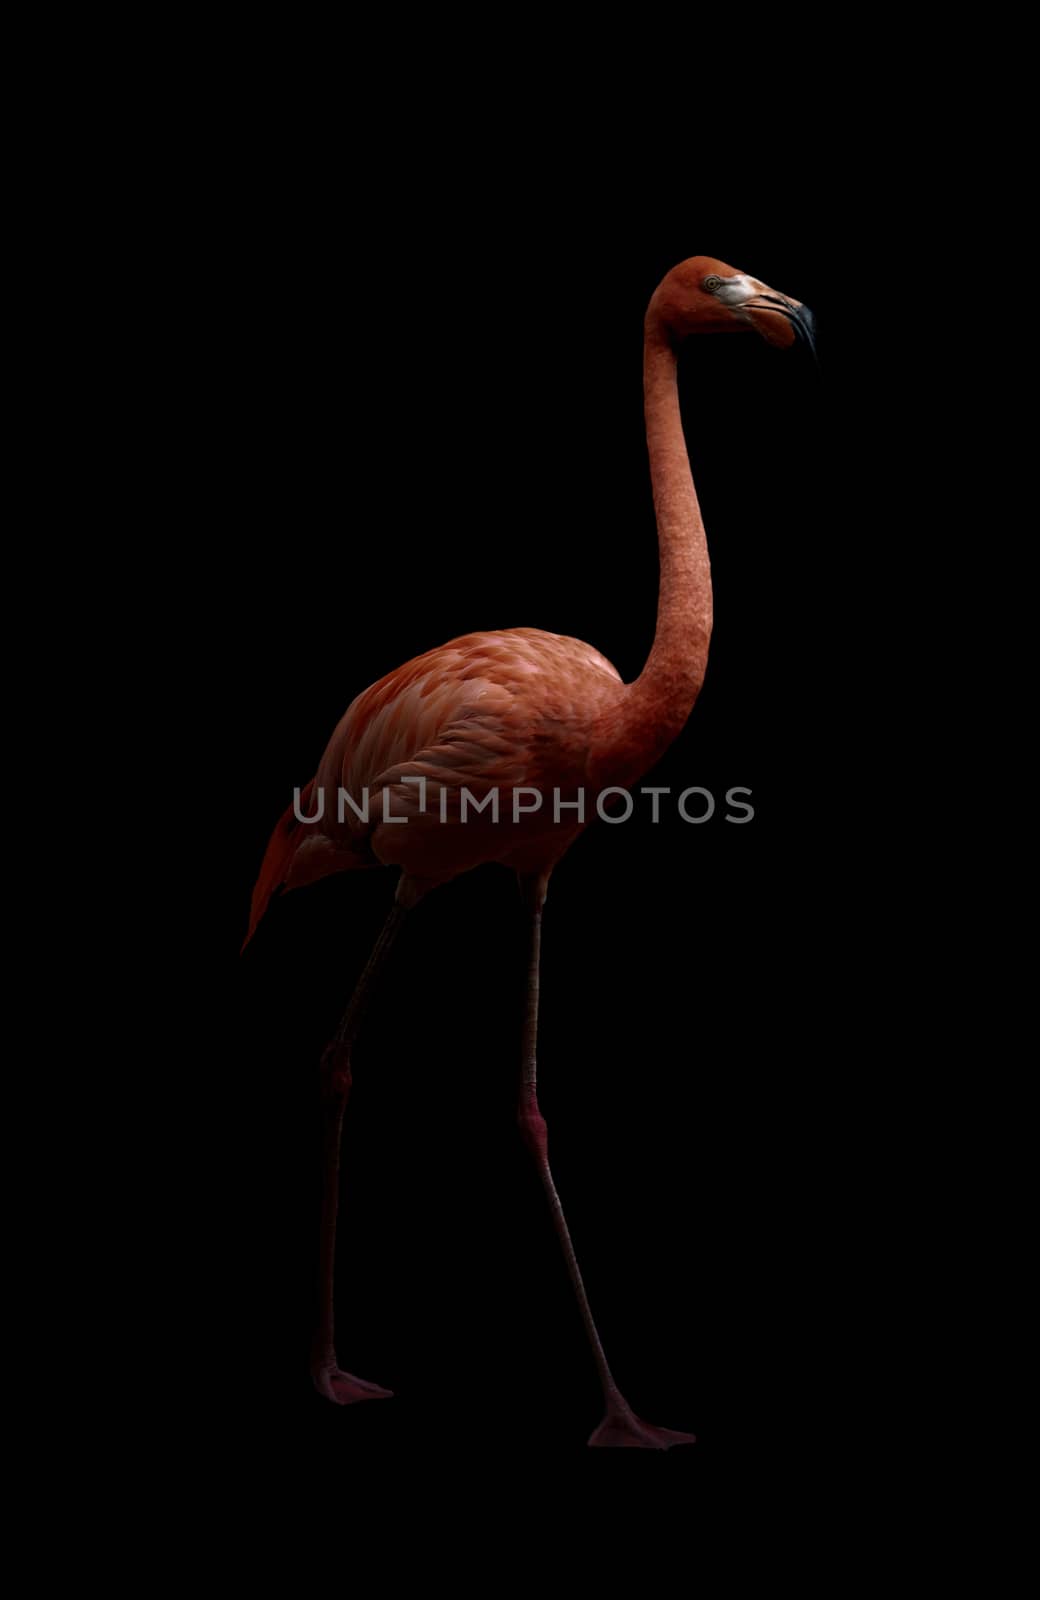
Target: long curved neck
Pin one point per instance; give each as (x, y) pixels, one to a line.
(654, 709)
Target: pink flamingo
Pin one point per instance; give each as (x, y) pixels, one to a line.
(436, 768)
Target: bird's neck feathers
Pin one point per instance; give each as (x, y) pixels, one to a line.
(653, 710)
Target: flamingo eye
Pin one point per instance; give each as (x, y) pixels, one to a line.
(712, 282)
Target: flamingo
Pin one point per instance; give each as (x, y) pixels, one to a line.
(435, 769)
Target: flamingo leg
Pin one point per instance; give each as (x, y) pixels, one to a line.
(620, 1426)
(342, 1387)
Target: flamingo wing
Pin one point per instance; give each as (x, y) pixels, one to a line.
(500, 710)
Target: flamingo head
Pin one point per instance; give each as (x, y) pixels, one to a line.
(703, 295)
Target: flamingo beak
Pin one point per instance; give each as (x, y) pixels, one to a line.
(782, 323)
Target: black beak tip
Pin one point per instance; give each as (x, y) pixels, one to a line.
(804, 324)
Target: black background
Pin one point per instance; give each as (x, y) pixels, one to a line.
(420, 413)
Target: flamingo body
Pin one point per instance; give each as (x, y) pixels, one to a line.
(508, 710)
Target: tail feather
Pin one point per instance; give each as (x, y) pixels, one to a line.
(277, 859)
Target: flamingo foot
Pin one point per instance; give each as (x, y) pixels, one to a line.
(621, 1427)
(342, 1388)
